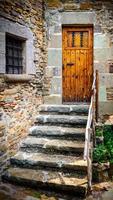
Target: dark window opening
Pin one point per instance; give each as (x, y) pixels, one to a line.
(111, 68)
(14, 59)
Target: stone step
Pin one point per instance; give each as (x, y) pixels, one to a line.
(58, 132)
(55, 181)
(41, 160)
(65, 109)
(32, 144)
(65, 120)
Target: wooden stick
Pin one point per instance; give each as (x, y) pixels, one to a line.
(97, 92)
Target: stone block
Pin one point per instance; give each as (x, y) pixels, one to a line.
(57, 29)
(11, 91)
(30, 67)
(54, 57)
(101, 67)
(56, 84)
(106, 79)
(15, 29)
(49, 71)
(102, 93)
(2, 126)
(102, 79)
(2, 59)
(86, 5)
(30, 198)
(71, 6)
(109, 94)
(59, 119)
(57, 71)
(53, 99)
(101, 40)
(56, 41)
(105, 108)
(17, 78)
(97, 29)
(2, 52)
(54, 3)
(102, 54)
(78, 18)
(3, 148)
(2, 67)
(2, 42)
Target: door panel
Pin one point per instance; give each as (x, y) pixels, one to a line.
(77, 64)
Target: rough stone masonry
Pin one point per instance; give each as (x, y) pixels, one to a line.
(20, 95)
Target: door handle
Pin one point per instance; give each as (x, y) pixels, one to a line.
(70, 64)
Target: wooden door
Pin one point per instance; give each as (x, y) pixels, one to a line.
(77, 64)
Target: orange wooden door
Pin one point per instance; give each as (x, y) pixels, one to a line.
(77, 64)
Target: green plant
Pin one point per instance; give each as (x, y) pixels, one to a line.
(100, 154)
(108, 140)
(108, 133)
(99, 132)
(104, 152)
(111, 161)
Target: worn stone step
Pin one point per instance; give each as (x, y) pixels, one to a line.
(58, 132)
(64, 120)
(41, 160)
(65, 109)
(33, 144)
(55, 181)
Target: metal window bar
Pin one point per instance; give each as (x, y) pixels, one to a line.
(13, 56)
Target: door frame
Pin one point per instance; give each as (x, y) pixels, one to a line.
(78, 26)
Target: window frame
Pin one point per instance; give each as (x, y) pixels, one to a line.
(22, 32)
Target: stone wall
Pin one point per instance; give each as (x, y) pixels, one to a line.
(19, 107)
(20, 95)
(96, 13)
(3, 147)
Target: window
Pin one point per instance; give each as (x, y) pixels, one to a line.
(77, 39)
(14, 58)
(111, 68)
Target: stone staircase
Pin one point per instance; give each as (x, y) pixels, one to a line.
(51, 157)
